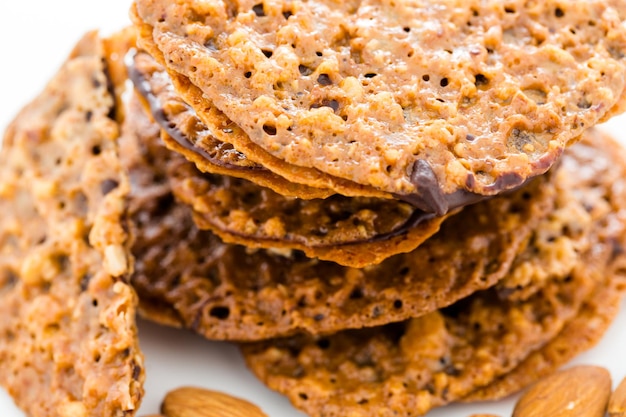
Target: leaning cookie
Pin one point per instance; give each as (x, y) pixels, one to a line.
(69, 342)
(427, 103)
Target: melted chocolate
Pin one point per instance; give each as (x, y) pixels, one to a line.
(432, 198)
(417, 217)
(429, 198)
(508, 181)
(143, 87)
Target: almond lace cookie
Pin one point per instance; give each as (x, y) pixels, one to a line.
(579, 335)
(224, 291)
(356, 231)
(405, 369)
(69, 342)
(428, 101)
(225, 131)
(185, 133)
(564, 235)
(597, 312)
(411, 367)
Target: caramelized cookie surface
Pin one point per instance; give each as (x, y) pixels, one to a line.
(226, 291)
(408, 368)
(69, 345)
(426, 102)
(355, 232)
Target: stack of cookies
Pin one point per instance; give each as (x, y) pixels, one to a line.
(391, 205)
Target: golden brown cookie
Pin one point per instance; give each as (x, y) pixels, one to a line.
(564, 235)
(185, 133)
(597, 313)
(69, 342)
(226, 291)
(405, 369)
(410, 367)
(579, 335)
(351, 231)
(225, 131)
(427, 102)
(354, 232)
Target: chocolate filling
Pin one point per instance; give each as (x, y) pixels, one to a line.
(429, 197)
(143, 87)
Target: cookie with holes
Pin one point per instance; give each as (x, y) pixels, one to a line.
(185, 133)
(432, 103)
(69, 345)
(578, 335)
(587, 328)
(410, 367)
(351, 231)
(301, 181)
(189, 277)
(355, 231)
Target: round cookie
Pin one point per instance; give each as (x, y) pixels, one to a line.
(426, 102)
(407, 369)
(579, 335)
(183, 132)
(225, 131)
(69, 342)
(226, 291)
(350, 231)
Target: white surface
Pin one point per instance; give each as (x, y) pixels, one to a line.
(35, 37)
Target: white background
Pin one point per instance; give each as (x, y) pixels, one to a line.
(35, 37)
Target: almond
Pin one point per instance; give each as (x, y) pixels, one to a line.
(198, 402)
(484, 415)
(617, 403)
(578, 391)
